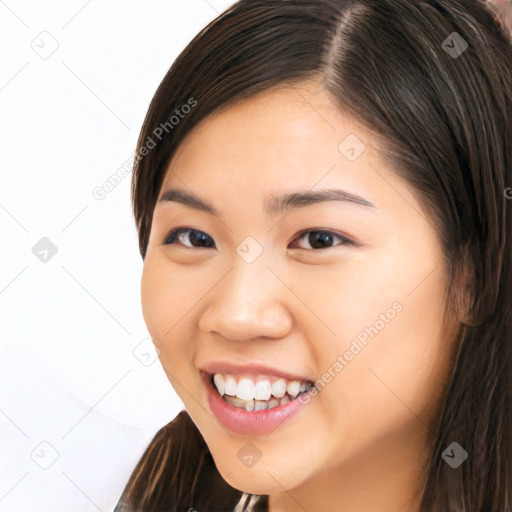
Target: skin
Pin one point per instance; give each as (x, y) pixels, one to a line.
(360, 443)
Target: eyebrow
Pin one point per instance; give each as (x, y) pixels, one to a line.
(273, 204)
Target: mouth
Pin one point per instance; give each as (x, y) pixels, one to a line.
(257, 394)
(253, 405)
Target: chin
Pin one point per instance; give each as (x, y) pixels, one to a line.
(254, 480)
(253, 486)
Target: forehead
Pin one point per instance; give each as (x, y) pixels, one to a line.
(282, 135)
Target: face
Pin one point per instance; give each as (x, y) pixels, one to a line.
(346, 294)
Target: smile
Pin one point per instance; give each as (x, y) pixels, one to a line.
(257, 394)
(259, 411)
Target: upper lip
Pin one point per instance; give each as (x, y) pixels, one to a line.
(214, 366)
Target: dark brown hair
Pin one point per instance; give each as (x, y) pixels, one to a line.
(443, 122)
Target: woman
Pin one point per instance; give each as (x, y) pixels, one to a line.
(322, 196)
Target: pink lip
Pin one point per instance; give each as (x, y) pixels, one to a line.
(243, 422)
(252, 368)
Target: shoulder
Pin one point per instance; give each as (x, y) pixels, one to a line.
(177, 473)
(152, 470)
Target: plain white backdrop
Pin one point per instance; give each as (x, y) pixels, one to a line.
(82, 392)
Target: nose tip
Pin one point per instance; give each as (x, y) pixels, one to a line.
(246, 306)
(246, 321)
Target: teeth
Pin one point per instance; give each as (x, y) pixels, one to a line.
(273, 402)
(279, 388)
(237, 402)
(218, 379)
(260, 405)
(250, 395)
(245, 389)
(255, 405)
(262, 390)
(230, 385)
(293, 388)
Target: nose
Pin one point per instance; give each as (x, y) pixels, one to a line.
(249, 302)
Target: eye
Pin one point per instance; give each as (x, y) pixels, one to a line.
(317, 239)
(198, 237)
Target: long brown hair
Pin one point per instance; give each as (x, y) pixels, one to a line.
(443, 119)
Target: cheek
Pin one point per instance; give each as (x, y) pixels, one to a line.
(395, 376)
(164, 307)
(167, 294)
(154, 298)
(387, 315)
(165, 316)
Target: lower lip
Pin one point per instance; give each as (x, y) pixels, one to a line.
(244, 422)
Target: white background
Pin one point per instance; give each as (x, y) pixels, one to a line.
(79, 399)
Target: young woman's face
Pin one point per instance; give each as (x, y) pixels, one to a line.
(347, 294)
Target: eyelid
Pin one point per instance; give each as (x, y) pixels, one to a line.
(345, 240)
(177, 231)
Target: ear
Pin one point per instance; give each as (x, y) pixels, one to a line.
(463, 290)
(462, 296)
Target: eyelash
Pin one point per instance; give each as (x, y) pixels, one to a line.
(171, 238)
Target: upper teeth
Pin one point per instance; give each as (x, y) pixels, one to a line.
(261, 389)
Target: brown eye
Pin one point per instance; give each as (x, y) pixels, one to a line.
(196, 238)
(315, 238)
(318, 239)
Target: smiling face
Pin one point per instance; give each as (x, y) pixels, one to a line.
(346, 293)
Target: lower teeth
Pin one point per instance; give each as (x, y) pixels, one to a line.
(256, 405)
